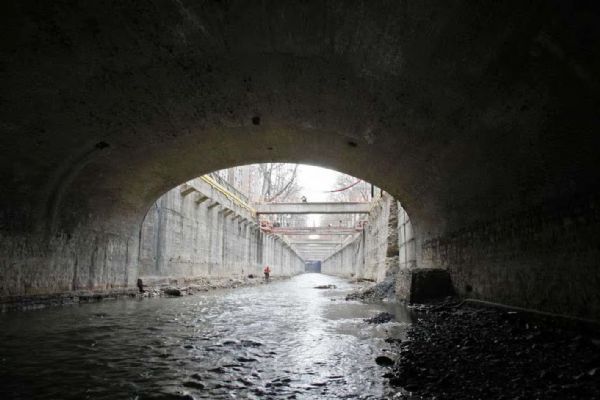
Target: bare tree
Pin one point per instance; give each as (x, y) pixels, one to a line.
(353, 189)
(279, 181)
(264, 182)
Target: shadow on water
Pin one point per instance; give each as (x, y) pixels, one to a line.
(281, 340)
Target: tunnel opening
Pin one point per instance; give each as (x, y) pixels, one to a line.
(291, 217)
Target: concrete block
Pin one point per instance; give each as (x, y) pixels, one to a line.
(200, 198)
(212, 204)
(423, 285)
(186, 189)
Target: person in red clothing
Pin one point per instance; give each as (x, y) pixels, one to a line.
(267, 272)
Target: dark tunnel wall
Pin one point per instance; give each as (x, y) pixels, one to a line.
(481, 119)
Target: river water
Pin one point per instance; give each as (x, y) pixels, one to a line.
(283, 340)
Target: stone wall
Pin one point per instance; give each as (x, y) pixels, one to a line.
(86, 260)
(181, 238)
(407, 256)
(528, 259)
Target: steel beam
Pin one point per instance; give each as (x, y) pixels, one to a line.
(314, 231)
(313, 208)
(316, 241)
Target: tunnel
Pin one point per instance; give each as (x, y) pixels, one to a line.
(480, 119)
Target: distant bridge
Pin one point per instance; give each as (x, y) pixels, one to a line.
(314, 231)
(313, 208)
(316, 242)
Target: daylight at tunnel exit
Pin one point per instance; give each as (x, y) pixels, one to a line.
(300, 200)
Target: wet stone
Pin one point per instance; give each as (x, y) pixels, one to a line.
(489, 353)
(193, 385)
(246, 359)
(381, 318)
(197, 377)
(250, 343)
(384, 361)
(172, 292)
(325, 287)
(245, 382)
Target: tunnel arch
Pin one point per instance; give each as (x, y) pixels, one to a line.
(482, 119)
(206, 228)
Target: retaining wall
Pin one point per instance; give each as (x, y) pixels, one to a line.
(182, 238)
(385, 246)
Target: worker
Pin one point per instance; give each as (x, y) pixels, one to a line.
(267, 272)
(140, 285)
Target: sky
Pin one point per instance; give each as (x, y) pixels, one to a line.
(315, 180)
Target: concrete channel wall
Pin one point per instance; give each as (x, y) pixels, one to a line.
(383, 248)
(187, 234)
(386, 251)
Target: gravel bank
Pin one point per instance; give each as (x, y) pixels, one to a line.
(457, 351)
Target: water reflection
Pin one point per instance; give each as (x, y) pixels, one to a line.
(282, 340)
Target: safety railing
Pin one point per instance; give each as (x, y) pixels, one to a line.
(229, 194)
(219, 179)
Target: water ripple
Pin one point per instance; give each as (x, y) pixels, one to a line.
(282, 340)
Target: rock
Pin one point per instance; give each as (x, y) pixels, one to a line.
(172, 292)
(250, 343)
(194, 385)
(380, 318)
(384, 361)
(492, 354)
(196, 377)
(423, 285)
(377, 292)
(245, 382)
(246, 359)
(325, 287)
(251, 276)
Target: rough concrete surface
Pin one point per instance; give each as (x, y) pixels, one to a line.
(181, 239)
(423, 285)
(374, 253)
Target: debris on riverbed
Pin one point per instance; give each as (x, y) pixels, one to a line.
(384, 361)
(460, 351)
(189, 287)
(325, 287)
(172, 292)
(377, 292)
(380, 318)
(360, 280)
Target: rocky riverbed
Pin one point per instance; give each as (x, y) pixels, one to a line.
(458, 351)
(151, 288)
(374, 292)
(199, 285)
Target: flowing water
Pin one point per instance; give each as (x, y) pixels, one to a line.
(283, 340)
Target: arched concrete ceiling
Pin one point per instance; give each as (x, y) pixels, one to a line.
(464, 111)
